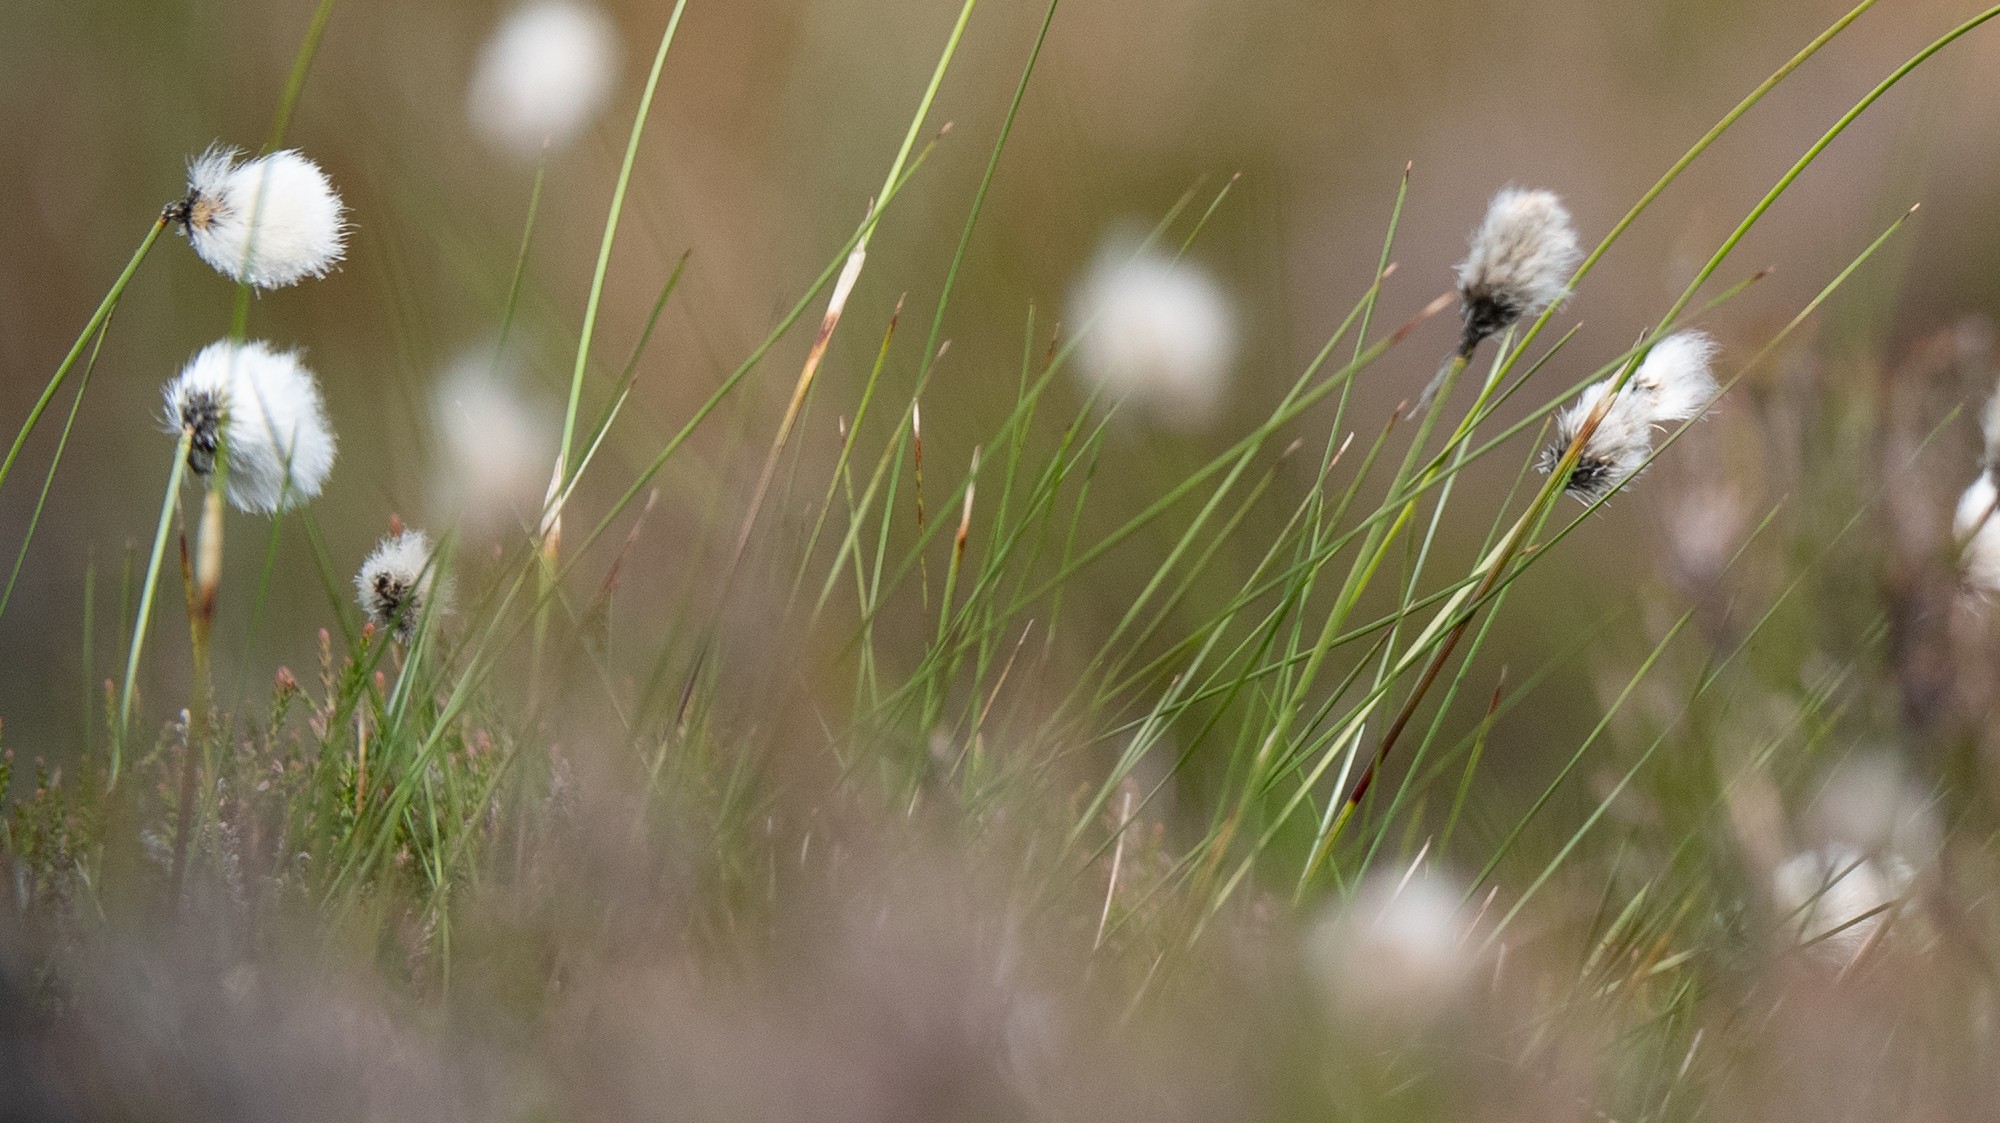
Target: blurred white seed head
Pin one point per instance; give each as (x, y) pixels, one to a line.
(1706, 525)
(1871, 804)
(543, 76)
(1519, 265)
(1977, 527)
(494, 445)
(268, 222)
(1159, 334)
(1835, 898)
(1396, 953)
(399, 583)
(1989, 429)
(1975, 506)
(264, 409)
(1675, 383)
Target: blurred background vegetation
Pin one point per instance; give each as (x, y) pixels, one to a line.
(774, 121)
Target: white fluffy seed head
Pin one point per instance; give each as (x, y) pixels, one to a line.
(1835, 898)
(399, 583)
(543, 76)
(1519, 265)
(262, 408)
(268, 222)
(1675, 383)
(1977, 526)
(1159, 334)
(1975, 507)
(1396, 954)
(494, 446)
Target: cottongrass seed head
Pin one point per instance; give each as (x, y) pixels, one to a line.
(399, 583)
(1989, 431)
(1871, 803)
(494, 445)
(1675, 383)
(1396, 954)
(1519, 265)
(1157, 333)
(543, 76)
(268, 222)
(263, 407)
(1834, 899)
(1977, 527)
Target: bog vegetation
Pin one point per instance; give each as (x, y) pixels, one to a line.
(885, 819)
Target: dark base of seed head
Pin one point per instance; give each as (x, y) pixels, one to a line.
(1591, 479)
(190, 212)
(395, 604)
(202, 415)
(1485, 314)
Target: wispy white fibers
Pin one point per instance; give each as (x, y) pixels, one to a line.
(263, 407)
(544, 76)
(494, 445)
(1519, 263)
(269, 222)
(399, 582)
(1158, 334)
(1673, 384)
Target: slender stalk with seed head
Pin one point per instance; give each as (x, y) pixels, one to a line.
(1561, 470)
(1518, 266)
